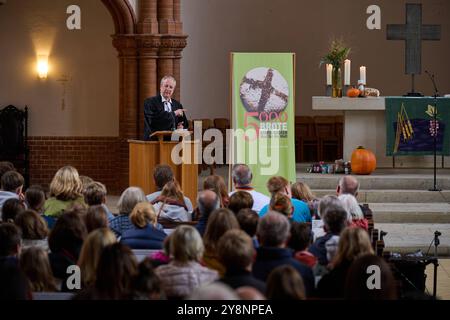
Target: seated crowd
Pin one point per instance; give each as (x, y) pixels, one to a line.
(238, 245)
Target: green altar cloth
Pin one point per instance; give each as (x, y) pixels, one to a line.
(409, 126)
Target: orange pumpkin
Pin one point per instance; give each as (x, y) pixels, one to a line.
(353, 93)
(363, 161)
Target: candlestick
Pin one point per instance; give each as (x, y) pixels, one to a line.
(347, 70)
(329, 70)
(362, 74)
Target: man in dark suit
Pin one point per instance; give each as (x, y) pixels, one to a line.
(161, 112)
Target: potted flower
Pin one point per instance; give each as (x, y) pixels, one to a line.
(336, 57)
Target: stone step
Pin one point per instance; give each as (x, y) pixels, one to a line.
(406, 196)
(410, 237)
(410, 212)
(404, 181)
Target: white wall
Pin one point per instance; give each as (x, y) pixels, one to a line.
(218, 27)
(85, 57)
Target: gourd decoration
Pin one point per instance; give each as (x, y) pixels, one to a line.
(363, 161)
(353, 93)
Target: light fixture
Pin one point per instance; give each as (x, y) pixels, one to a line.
(42, 66)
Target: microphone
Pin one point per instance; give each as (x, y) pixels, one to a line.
(431, 76)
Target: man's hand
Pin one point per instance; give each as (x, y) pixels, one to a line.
(179, 112)
(180, 125)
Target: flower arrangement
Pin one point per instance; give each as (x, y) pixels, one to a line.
(338, 53)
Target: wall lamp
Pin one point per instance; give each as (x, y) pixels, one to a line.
(42, 66)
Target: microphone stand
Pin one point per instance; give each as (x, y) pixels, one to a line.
(436, 244)
(435, 132)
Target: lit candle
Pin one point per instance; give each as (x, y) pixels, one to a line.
(329, 71)
(362, 74)
(347, 68)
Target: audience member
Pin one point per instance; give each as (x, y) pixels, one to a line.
(219, 222)
(236, 253)
(13, 283)
(10, 243)
(35, 264)
(248, 221)
(11, 209)
(117, 268)
(65, 242)
(85, 181)
(334, 218)
(281, 203)
(143, 234)
(300, 240)
(11, 188)
(127, 201)
(96, 217)
(146, 284)
(170, 205)
(207, 202)
(355, 217)
(6, 166)
(65, 192)
(301, 191)
(35, 198)
(273, 234)
(353, 243)
(161, 175)
(90, 254)
(34, 230)
(242, 178)
(357, 278)
(184, 273)
(277, 185)
(95, 194)
(240, 200)
(285, 283)
(217, 184)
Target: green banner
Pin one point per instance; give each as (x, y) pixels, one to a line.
(263, 95)
(410, 126)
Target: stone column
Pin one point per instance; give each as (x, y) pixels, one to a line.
(148, 17)
(166, 17)
(177, 17)
(128, 93)
(148, 82)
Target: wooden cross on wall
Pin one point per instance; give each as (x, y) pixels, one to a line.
(413, 32)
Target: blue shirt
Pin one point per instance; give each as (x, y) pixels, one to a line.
(301, 211)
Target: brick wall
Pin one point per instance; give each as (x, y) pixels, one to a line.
(96, 157)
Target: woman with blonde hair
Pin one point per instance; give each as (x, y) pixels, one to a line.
(170, 205)
(302, 192)
(217, 184)
(184, 273)
(282, 203)
(279, 184)
(143, 234)
(91, 252)
(66, 190)
(353, 243)
(34, 263)
(219, 222)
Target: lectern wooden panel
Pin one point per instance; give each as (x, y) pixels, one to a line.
(145, 155)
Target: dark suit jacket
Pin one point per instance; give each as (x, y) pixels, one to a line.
(156, 119)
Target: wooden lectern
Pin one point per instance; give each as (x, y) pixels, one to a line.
(145, 155)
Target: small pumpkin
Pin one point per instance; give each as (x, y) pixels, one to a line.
(363, 161)
(353, 93)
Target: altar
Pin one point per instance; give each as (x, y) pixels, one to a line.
(365, 125)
